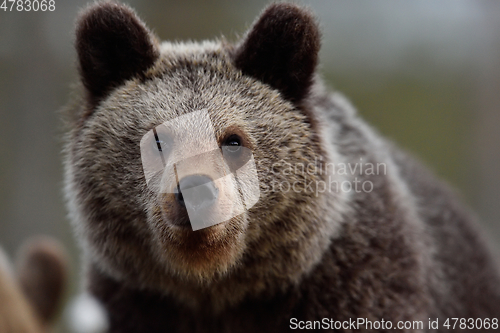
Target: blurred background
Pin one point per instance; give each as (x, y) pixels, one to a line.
(425, 73)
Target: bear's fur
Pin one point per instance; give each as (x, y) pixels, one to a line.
(406, 250)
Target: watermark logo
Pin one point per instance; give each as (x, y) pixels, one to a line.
(214, 184)
(317, 176)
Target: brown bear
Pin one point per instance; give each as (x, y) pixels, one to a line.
(336, 230)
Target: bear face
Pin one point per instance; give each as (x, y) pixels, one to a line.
(257, 94)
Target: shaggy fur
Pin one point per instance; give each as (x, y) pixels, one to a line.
(407, 250)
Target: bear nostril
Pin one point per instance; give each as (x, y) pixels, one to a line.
(196, 192)
(179, 197)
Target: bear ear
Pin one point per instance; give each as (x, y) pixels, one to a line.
(113, 45)
(42, 268)
(281, 49)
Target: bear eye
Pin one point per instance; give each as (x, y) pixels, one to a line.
(232, 145)
(161, 143)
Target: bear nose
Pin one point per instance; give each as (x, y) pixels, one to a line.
(196, 192)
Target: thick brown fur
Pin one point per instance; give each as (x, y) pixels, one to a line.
(407, 250)
(31, 294)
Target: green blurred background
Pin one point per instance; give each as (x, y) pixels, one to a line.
(425, 73)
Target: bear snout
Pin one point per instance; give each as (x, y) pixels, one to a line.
(202, 192)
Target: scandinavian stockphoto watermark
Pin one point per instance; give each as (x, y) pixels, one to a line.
(27, 5)
(182, 157)
(318, 176)
(362, 324)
